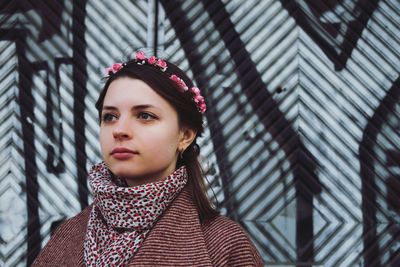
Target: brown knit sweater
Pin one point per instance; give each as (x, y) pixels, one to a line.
(177, 239)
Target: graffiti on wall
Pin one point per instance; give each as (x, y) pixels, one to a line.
(282, 179)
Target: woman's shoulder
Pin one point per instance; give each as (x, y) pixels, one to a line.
(81, 217)
(229, 243)
(72, 227)
(71, 231)
(225, 231)
(76, 222)
(220, 225)
(65, 247)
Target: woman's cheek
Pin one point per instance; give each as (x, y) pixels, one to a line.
(105, 142)
(164, 148)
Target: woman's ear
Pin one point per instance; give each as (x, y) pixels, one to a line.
(187, 135)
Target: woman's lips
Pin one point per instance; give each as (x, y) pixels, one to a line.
(122, 153)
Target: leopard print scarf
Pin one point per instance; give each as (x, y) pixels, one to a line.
(122, 217)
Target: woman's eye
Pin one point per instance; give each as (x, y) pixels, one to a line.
(145, 116)
(108, 117)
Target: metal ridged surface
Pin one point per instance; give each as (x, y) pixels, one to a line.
(302, 140)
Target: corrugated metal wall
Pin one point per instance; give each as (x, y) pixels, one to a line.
(302, 141)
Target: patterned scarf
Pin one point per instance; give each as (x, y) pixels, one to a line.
(122, 217)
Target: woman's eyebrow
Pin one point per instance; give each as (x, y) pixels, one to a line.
(109, 108)
(137, 107)
(144, 106)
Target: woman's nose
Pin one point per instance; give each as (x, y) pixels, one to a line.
(122, 131)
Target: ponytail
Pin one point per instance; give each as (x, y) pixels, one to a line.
(197, 183)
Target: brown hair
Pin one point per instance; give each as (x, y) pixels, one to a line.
(188, 116)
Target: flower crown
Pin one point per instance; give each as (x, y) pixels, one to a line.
(140, 59)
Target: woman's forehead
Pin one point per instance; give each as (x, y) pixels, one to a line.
(130, 92)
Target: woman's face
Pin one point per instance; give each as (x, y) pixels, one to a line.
(139, 134)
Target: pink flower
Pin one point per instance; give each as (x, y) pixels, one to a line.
(116, 67)
(202, 107)
(162, 64)
(108, 70)
(140, 56)
(152, 60)
(196, 90)
(181, 84)
(200, 98)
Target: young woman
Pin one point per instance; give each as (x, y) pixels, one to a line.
(150, 205)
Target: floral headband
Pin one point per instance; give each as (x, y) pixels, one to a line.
(140, 59)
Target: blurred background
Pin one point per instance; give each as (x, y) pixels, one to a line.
(303, 121)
